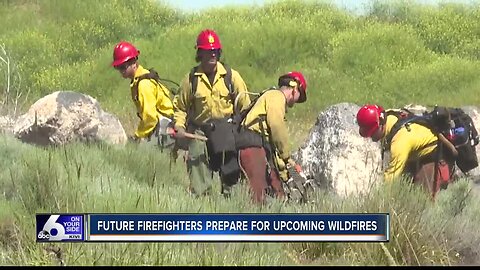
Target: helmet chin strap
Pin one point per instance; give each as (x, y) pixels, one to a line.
(382, 119)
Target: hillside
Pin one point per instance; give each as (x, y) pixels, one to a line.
(398, 54)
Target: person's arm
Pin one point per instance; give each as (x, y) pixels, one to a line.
(275, 108)
(166, 103)
(400, 150)
(147, 110)
(240, 88)
(183, 103)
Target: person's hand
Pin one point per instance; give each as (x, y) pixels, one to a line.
(170, 131)
(134, 139)
(283, 174)
(292, 163)
(178, 133)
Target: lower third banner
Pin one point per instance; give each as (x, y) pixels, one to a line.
(222, 228)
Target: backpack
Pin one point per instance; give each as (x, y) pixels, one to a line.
(152, 75)
(453, 123)
(245, 137)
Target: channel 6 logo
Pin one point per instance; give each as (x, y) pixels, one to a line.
(60, 228)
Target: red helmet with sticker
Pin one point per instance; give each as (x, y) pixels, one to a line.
(302, 84)
(208, 40)
(368, 119)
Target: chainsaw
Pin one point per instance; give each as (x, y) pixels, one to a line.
(299, 187)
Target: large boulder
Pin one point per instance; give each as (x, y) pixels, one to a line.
(66, 116)
(336, 156)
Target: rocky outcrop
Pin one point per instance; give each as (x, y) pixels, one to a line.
(66, 116)
(336, 156)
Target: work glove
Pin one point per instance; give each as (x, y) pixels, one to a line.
(283, 175)
(295, 178)
(299, 187)
(282, 168)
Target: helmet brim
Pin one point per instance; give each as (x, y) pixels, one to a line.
(119, 62)
(303, 97)
(208, 47)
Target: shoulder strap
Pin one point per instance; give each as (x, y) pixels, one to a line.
(228, 80)
(423, 120)
(243, 114)
(140, 78)
(155, 76)
(193, 79)
(396, 127)
(152, 75)
(403, 115)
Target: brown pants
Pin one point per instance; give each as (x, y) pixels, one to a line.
(423, 174)
(253, 163)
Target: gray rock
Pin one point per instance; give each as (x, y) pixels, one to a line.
(65, 116)
(336, 156)
(416, 108)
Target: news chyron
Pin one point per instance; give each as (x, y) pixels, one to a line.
(60, 228)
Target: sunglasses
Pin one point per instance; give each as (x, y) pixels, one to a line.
(122, 67)
(216, 51)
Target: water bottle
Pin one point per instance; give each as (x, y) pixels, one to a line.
(458, 134)
(451, 134)
(164, 122)
(459, 131)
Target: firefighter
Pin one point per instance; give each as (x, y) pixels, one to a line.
(206, 94)
(263, 139)
(414, 148)
(151, 98)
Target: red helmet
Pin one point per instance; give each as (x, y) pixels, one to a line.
(123, 52)
(368, 119)
(298, 76)
(208, 40)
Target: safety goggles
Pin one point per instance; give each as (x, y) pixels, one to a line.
(209, 52)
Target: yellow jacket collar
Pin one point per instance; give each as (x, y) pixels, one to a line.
(220, 69)
(140, 71)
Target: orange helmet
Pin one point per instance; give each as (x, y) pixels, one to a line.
(123, 52)
(302, 83)
(369, 118)
(208, 40)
